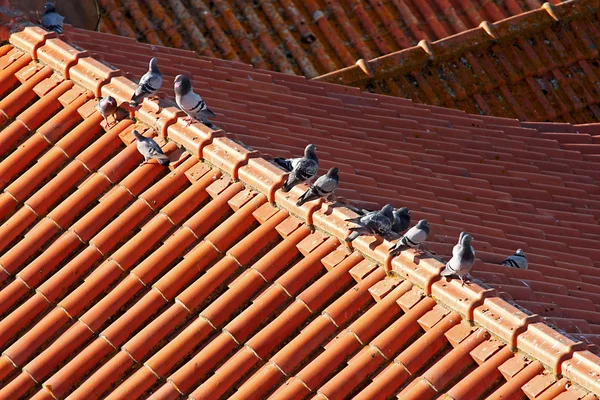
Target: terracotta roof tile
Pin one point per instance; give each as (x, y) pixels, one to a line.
(121, 281)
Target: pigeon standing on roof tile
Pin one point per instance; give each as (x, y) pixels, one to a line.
(150, 149)
(51, 20)
(463, 257)
(107, 106)
(323, 187)
(149, 84)
(190, 102)
(401, 220)
(517, 260)
(374, 223)
(414, 238)
(301, 169)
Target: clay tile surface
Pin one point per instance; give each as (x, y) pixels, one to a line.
(204, 281)
(539, 65)
(304, 37)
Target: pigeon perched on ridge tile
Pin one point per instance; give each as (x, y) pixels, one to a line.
(463, 257)
(150, 149)
(149, 84)
(323, 187)
(414, 238)
(190, 102)
(107, 106)
(401, 220)
(374, 223)
(517, 260)
(301, 169)
(51, 20)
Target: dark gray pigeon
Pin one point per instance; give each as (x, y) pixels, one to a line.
(51, 20)
(190, 102)
(149, 84)
(414, 238)
(323, 187)
(517, 260)
(301, 169)
(463, 257)
(401, 220)
(150, 149)
(107, 106)
(374, 223)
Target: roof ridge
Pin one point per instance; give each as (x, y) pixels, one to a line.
(480, 305)
(453, 46)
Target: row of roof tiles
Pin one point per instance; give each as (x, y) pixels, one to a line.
(94, 246)
(538, 66)
(301, 37)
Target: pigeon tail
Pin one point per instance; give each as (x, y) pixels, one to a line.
(283, 163)
(307, 196)
(353, 235)
(394, 251)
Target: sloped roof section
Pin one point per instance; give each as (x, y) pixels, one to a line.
(538, 66)
(304, 37)
(205, 280)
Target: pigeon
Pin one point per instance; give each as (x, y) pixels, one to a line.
(149, 84)
(107, 106)
(190, 102)
(517, 260)
(301, 169)
(413, 238)
(150, 149)
(462, 259)
(51, 20)
(323, 187)
(374, 223)
(401, 220)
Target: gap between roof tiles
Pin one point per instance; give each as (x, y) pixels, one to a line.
(235, 159)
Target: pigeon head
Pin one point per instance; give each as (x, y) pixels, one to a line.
(388, 211)
(49, 7)
(423, 224)
(153, 65)
(182, 84)
(521, 253)
(465, 240)
(309, 151)
(110, 101)
(137, 135)
(402, 211)
(333, 173)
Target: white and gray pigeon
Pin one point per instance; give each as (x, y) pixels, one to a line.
(323, 187)
(414, 238)
(401, 220)
(150, 149)
(374, 223)
(463, 257)
(149, 84)
(107, 106)
(190, 102)
(517, 260)
(51, 20)
(301, 169)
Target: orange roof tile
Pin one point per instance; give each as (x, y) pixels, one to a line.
(303, 37)
(537, 66)
(205, 280)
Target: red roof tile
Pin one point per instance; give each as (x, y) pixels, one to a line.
(206, 280)
(535, 66)
(301, 37)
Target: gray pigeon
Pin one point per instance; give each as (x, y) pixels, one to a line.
(463, 257)
(374, 223)
(517, 260)
(401, 220)
(301, 169)
(414, 238)
(149, 84)
(107, 106)
(150, 149)
(51, 20)
(323, 187)
(190, 102)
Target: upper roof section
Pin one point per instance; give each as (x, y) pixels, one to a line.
(304, 37)
(538, 66)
